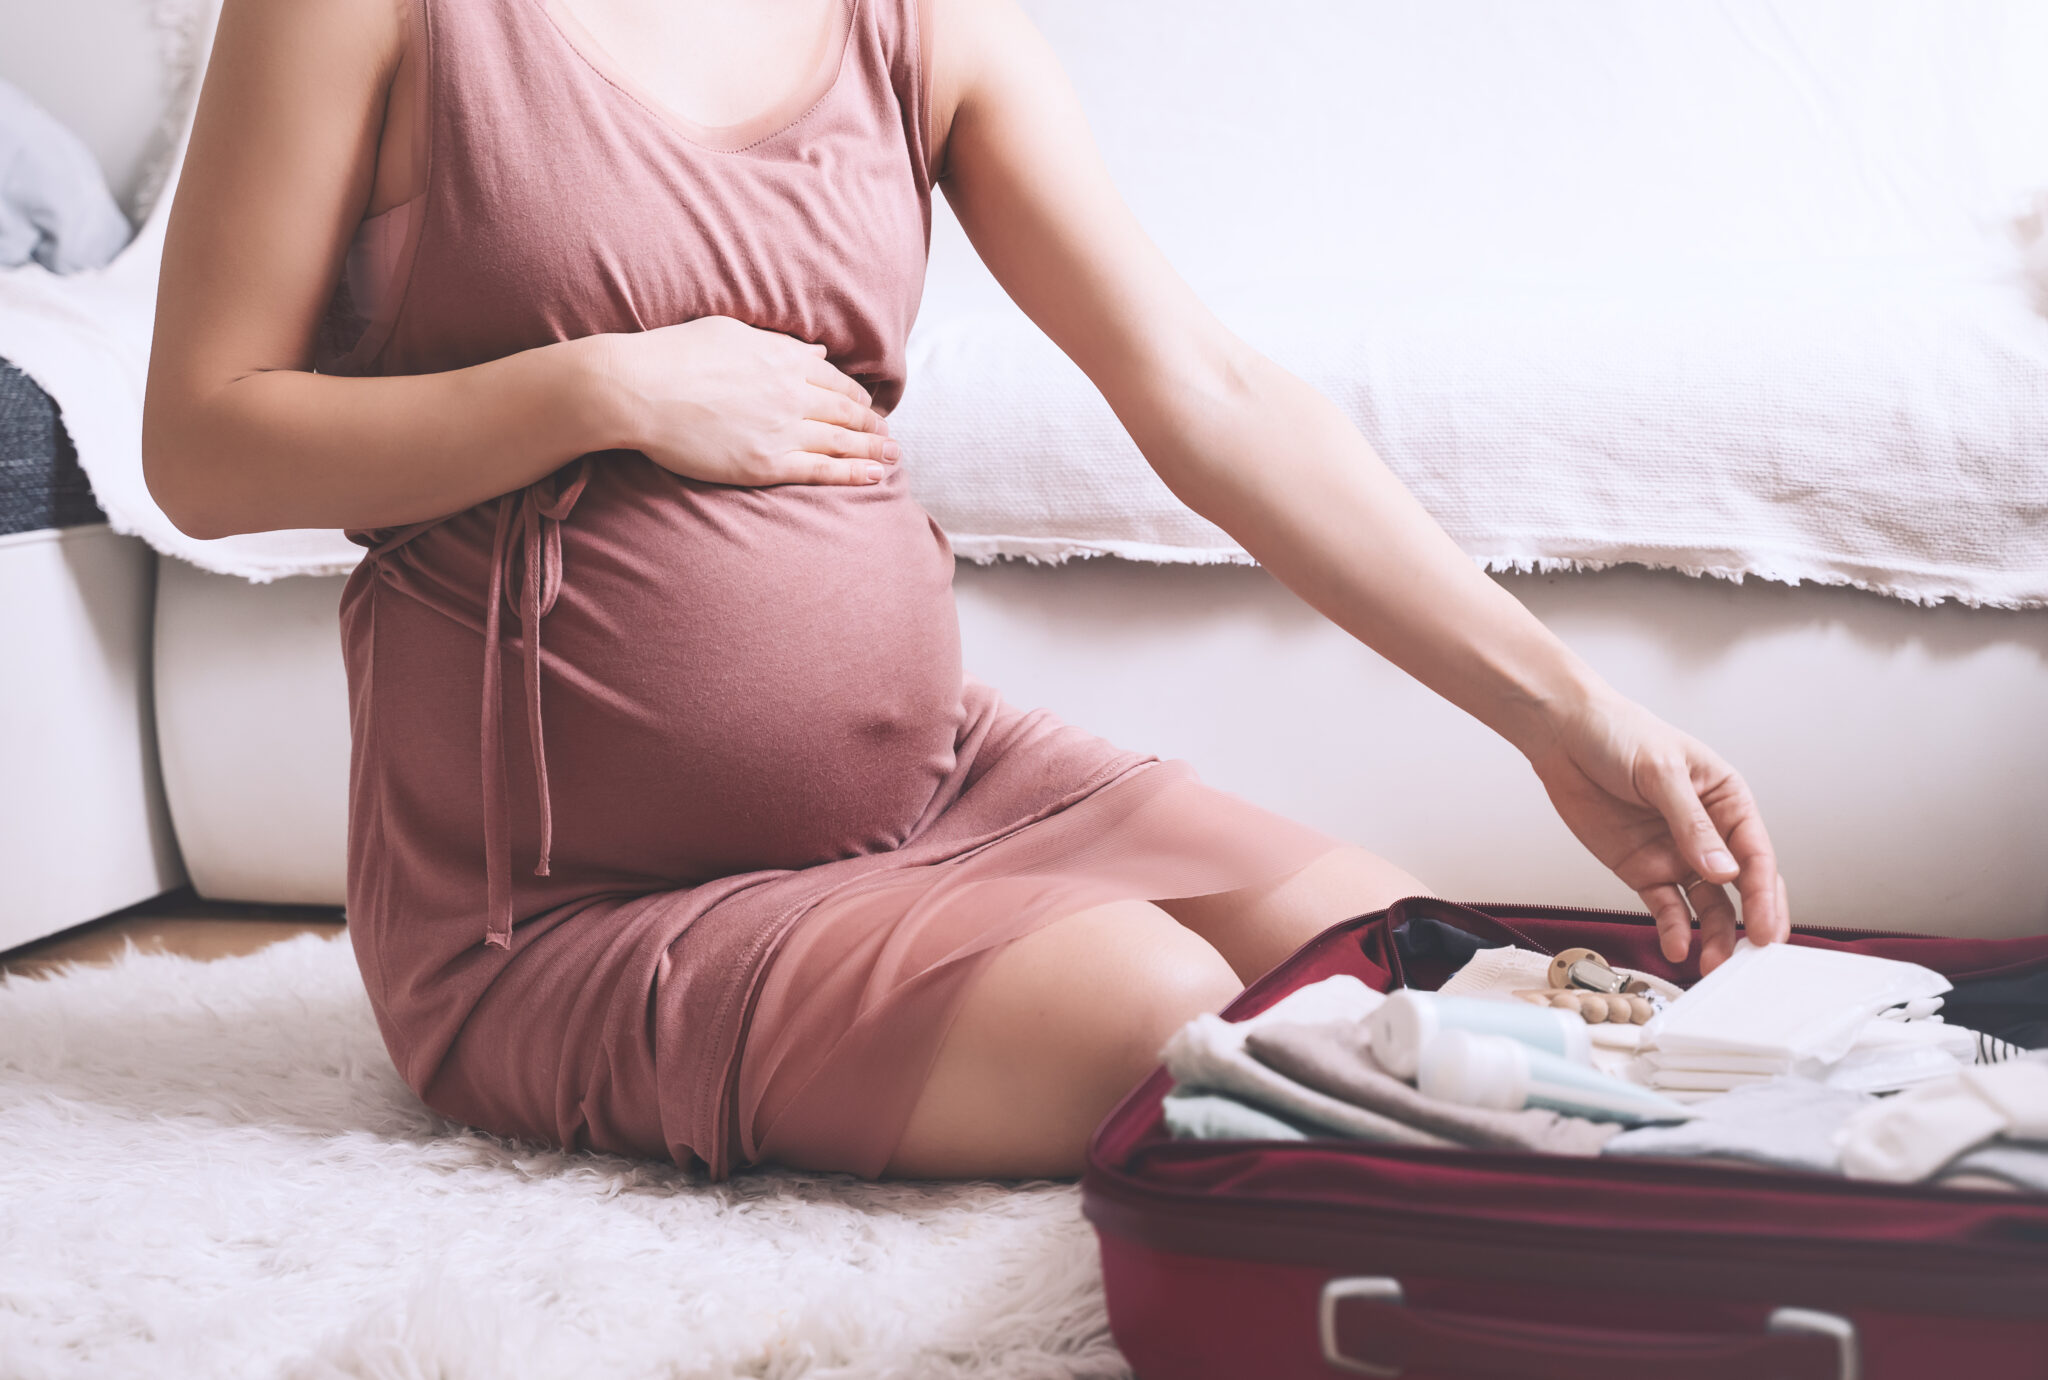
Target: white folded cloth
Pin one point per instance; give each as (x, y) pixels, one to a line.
(1892, 1054)
(1787, 1123)
(1908, 1137)
(1887, 1055)
(2000, 1164)
(1759, 1065)
(1696, 1080)
(1787, 1001)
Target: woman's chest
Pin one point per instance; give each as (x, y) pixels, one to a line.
(831, 250)
(560, 203)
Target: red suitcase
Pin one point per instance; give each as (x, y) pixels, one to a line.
(1225, 1260)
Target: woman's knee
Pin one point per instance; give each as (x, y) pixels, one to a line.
(1089, 1000)
(1172, 976)
(1059, 1026)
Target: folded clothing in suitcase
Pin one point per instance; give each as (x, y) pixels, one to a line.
(1238, 1258)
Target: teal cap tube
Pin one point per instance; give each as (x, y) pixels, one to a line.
(1408, 1021)
(1495, 1071)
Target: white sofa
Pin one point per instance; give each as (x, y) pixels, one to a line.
(84, 828)
(1899, 751)
(83, 824)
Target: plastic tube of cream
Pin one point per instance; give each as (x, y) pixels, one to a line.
(1407, 1022)
(1495, 1071)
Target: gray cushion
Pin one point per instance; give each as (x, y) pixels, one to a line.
(41, 484)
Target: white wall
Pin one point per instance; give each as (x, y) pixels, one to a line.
(94, 65)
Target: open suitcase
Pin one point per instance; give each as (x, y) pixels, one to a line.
(1241, 1260)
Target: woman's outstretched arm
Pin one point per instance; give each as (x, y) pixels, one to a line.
(1274, 463)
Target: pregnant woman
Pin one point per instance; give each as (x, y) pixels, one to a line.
(676, 826)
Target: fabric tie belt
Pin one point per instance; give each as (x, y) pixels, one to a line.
(526, 577)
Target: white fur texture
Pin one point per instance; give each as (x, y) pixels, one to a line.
(212, 1169)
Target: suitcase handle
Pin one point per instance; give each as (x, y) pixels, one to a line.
(1371, 1309)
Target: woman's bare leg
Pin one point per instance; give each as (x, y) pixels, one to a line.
(1256, 927)
(1057, 1027)
(1066, 1020)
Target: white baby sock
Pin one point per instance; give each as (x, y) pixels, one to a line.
(1904, 1139)
(2020, 1090)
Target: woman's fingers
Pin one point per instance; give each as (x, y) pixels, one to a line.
(825, 438)
(1718, 930)
(824, 405)
(1674, 920)
(809, 467)
(1764, 913)
(826, 374)
(829, 378)
(1670, 792)
(828, 454)
(1721, 837)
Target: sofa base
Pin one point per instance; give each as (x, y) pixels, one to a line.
(252, 716)
(83, 828)
(1897, 751)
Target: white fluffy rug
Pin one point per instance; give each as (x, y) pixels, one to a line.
(211, 1169)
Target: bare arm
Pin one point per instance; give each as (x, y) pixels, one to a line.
(1274, 463)
(240, 436)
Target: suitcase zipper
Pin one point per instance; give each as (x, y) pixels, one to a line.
(1643, 918)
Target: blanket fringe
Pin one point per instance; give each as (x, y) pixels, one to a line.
(987, 550)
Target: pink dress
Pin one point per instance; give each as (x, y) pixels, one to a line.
(676, 827)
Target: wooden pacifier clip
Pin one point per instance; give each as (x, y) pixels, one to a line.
(1582, 981)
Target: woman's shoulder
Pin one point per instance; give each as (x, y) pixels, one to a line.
(949, 35)
(359, 37)
(289, 119)
(966, 46)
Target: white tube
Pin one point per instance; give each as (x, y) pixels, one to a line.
(1408, 1021)
(1495, 1071)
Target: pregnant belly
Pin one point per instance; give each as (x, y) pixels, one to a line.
(740, 678)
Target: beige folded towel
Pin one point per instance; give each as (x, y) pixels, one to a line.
(1208, 1055)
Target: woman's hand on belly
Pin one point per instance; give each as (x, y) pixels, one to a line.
(717, 400)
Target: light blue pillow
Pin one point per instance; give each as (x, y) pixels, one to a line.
(54, 204)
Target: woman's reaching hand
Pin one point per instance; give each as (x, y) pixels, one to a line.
(721, 401)
(1671, 819)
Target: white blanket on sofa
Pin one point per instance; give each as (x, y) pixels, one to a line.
(1727, 288)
